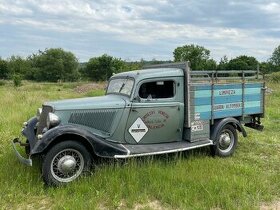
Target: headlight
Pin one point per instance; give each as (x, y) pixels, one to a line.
(52, 120)
(39, 112)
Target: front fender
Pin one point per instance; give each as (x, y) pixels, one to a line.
(100, 146)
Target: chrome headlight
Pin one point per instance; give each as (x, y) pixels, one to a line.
(39, 112)
(52, 120)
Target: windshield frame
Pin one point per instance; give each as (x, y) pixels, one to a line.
(117, 93)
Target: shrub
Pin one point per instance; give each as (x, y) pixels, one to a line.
(54, 65)
(273, 77)
(17, 79)
(2, 82)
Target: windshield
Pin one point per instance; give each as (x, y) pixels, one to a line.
(121, 85)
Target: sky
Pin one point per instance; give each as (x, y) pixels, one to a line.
(134, 30)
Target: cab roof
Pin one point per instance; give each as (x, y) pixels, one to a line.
(151, 73)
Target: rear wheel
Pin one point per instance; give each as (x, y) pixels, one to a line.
(225, 141)
(65, 162)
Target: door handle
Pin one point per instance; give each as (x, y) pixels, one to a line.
(134, 110)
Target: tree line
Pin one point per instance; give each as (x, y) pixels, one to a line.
(56, 64)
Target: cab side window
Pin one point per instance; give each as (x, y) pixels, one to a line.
(157, 90)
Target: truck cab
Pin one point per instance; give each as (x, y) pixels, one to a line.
(161, 109)
(154, 106)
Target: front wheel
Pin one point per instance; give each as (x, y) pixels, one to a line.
(65, 162)
(225, 141)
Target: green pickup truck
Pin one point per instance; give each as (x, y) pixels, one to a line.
(161, 109)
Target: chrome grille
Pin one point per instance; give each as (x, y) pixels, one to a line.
(99, 119)
(43, 118)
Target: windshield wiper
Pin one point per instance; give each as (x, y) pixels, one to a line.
(123, 84)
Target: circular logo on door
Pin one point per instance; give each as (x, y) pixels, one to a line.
(155, 119)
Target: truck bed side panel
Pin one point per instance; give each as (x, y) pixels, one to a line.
(227, 100)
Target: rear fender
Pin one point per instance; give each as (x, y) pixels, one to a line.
(218, 125)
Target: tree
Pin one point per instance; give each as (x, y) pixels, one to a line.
(273, 63)
(18, 66)
(4, 72)
(223, 63)
(198, 56)
(54, 65)
(242, 62)
(101, 68)
(210, 65)
(134, 65)
(275, 58)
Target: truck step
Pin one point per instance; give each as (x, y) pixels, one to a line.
(162, 148)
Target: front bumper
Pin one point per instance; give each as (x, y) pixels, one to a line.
(26, 161)
(29, 134)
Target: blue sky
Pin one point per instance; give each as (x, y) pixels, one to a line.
(133, 29)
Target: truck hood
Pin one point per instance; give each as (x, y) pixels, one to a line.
(101, 102)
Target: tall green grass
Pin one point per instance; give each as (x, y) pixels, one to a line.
(192, 180)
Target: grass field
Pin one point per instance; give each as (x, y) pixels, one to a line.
(248, 180)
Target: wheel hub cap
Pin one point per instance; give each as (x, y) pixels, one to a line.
(66, 164)
(225, 140)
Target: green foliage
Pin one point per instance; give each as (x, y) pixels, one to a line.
(54, 65)
(273, 64)
(275, 58)
(2, 82)
(134, 65)
(101, 68)
(242, 62)
(210, 65)
(267, 67)
(273, 77)
(223, 63)
(17, 80)
(198, 56)
(18, 65)
(4, 72)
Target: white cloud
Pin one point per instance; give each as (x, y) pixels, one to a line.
(150, 23)
(272, 7)
(13, 9)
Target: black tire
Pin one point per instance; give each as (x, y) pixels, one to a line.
(225, 141)
(65, 162)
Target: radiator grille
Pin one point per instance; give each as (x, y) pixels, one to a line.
(99, 119)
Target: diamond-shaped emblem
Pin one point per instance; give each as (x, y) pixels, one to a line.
(138, 129)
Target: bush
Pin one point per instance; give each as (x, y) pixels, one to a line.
(4, 72)
(17, 79)
(273, 77)
(53, 65)
(101, 68)
(2, 82)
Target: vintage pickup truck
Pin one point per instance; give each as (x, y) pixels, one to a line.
(162, 109)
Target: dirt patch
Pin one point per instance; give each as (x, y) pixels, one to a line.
(270, 206)
(156, 205)
(90, 86)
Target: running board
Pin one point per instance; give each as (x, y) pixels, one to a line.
(164, 148)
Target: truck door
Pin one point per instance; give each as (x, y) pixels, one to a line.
(157, 113)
